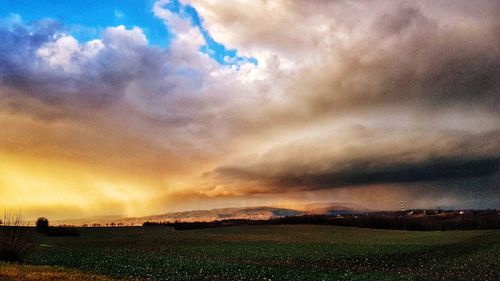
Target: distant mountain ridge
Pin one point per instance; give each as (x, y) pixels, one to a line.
(227, 213)
(257, 213)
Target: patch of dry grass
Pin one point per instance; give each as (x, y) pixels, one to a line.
(45, 273)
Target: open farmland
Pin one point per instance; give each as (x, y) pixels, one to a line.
(275, 252)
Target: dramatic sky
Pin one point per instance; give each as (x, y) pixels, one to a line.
(142, 107)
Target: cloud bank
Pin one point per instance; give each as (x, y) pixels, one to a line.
(344, 95)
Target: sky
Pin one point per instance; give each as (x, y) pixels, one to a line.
(142, 107)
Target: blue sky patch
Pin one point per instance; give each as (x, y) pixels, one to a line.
(85, 20)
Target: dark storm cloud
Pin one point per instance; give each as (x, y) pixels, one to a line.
(409, 59)
(368, 157)
(419, 70)
(397, 57)
(365, 173)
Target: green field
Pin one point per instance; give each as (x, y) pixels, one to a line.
(276, 253)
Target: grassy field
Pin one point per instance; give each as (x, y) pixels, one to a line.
(275, 253)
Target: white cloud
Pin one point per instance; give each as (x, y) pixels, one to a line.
(60, 53)
(92, 48)
(119, 37)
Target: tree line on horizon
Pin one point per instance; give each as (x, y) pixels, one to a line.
(417, 220)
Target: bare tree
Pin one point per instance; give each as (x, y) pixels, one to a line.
(16, 238)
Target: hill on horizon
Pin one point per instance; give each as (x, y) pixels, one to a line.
(257, 213)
